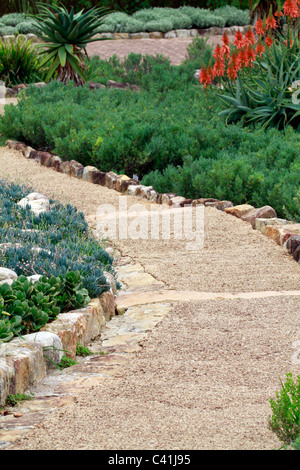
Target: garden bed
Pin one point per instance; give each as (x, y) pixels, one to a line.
(160, 135)
(50, 270)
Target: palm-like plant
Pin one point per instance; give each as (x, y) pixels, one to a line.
(65, 36)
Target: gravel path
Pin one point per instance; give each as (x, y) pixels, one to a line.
(205, 374)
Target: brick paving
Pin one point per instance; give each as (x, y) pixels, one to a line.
(175, 49)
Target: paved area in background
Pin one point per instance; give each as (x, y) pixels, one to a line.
(175, 49)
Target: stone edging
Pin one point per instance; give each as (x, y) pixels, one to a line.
(176, 33)
(24, 361)
(285, 233)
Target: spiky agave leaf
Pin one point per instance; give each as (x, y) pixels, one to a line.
(65, 36)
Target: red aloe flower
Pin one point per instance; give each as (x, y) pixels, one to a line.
(218, 52)
(205, 76)
(249, 37)
(235, 61)
(250, 54)
(259, 27)
(219, 68)
(231, 72)
(225, 47)
(271, 22)
(238, 40)
(260, 48)
(290, 8)
(269, 41)
(243, 57)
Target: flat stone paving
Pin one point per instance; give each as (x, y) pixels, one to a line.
(175, 49)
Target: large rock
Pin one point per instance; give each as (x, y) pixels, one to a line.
(222, 205)
(56, 163)
(183, 33)
(292, 243)
(296, 254)
(26, 363)
(294, 228)
(166, 197)
(111, 180)
(37, 202)
(122, 182)
(133, 189)
(277, 233)
(51, 343)
(170, 34)
(7, 274)
(239, 210)
(7, 373)
(262, 224)
(156, 35)
(265, 212)
(178, 201)
(76, 169)
(93, 175)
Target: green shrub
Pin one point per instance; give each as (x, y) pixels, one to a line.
(19, 62)
(15, 23)
(7, 30)
(285, 419)
(199, 52)
(163, 25)
(114, 22)
(166, 19)
(27, 307)
(26, 27)
(233, 16)
(13, 19)
(202, 18)
(133, 26)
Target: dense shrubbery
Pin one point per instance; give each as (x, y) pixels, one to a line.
(17, 23)
(52, 244)
(128, 6)
(170, 133)
(167, 19)
(147, 19)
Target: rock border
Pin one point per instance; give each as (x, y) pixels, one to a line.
(24, 362)
(175, 33)
(264, 219)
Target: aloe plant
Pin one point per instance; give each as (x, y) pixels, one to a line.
(65, 36)
(264, 94)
